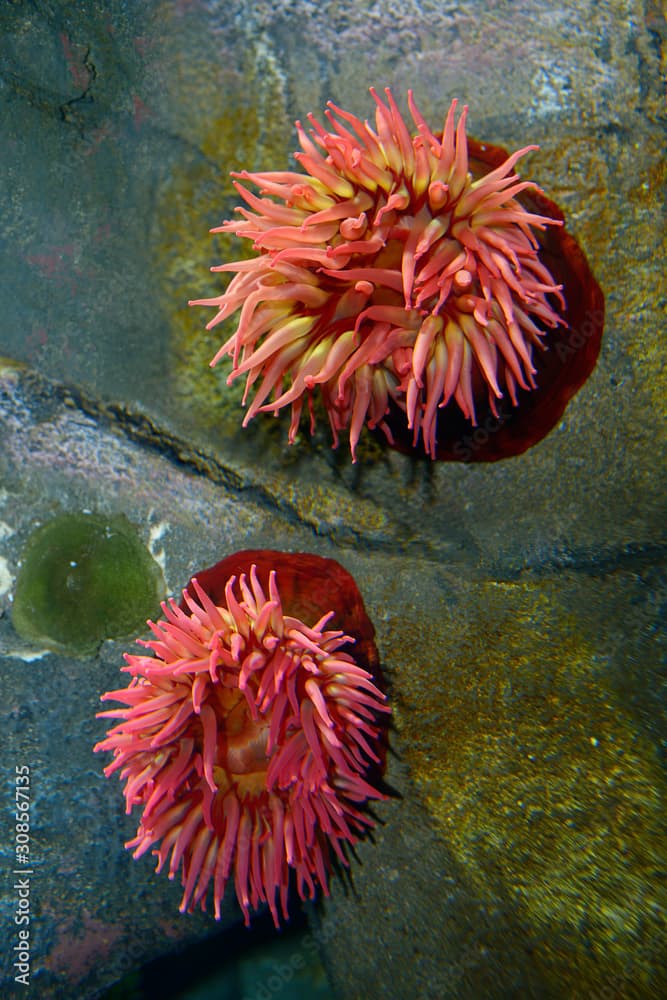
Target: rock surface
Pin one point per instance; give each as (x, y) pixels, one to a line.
(519, 606)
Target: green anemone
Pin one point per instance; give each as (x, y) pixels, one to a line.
(85, 578)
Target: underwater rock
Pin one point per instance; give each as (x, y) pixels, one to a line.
(518, 606)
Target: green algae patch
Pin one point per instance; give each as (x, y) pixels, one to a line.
(85, 578)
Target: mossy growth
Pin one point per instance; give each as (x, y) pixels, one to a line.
(85, 578)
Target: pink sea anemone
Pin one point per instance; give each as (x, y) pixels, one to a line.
(248, 734)
(395, 273)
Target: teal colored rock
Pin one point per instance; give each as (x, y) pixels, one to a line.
(85, 578)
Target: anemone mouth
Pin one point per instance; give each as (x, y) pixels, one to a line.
(570, 354)
(309, 586)
(242, 759)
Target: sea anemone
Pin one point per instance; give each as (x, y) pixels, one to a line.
(249, 735)
(400, 275)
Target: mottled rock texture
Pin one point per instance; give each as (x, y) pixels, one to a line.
(519, 606)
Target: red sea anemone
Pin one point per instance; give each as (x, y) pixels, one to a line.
(415, 280)
(249, 733)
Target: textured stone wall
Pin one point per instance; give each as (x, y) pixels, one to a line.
(517, 605)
